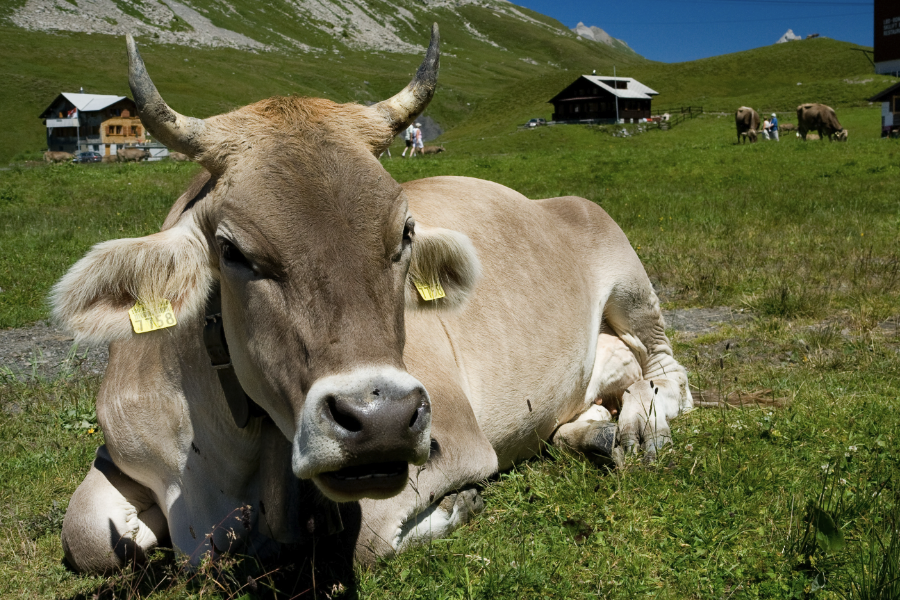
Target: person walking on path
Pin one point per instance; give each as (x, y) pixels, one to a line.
(408, 136)
(774, 123)
(766, 127)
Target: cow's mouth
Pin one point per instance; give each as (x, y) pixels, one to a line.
(377, 480)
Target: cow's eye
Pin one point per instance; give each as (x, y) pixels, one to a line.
(406, 242)
(408, 231)
(231, 254)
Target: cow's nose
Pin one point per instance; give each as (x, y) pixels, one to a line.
(377, 415)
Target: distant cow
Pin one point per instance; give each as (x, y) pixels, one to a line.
(432, 150)
(55, 157)
(747, 122)
(788, 127)
(821, 118)
(178, 156)
(135, 154)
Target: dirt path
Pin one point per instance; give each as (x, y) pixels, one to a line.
(44, 351)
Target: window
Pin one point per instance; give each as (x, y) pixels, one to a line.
(135, 130)
(110, 130)
(592, 107)
(118, 130)
(896, 104)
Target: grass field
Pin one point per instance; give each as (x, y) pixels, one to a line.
(791, 496)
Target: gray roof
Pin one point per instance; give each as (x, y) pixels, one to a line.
(635, 89)
(91, 102)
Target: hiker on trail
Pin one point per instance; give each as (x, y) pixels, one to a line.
(408, 136)
(774, 125)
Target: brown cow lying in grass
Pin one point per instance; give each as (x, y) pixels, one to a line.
(56, 157)
(432, 150)
(399, 342)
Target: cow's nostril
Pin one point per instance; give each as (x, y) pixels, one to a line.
(415, 415)
(341, 417)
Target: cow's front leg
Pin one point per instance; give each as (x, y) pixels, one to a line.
(111, 520)
(646, 409)
(593, 434)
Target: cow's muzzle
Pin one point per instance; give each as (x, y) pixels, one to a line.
(359, 432)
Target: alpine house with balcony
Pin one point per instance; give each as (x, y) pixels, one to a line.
(77, 122)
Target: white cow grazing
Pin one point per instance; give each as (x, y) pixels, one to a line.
(448, 323)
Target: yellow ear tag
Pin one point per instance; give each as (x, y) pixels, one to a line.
(430, 291)
(146, 318)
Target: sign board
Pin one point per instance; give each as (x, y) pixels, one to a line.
(887, 30)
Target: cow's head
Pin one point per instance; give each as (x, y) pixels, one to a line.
(315, 253)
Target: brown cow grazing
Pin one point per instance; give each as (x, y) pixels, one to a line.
(432, 150)
(788, 127)
(448, 323)
(56, 157)
(747, 122)
(132, 154)
(821, 118)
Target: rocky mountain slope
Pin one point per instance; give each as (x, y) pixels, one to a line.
(305, 25)
(596, 34)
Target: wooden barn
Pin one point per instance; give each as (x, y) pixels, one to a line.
(596, 98)
(890, 110)
(77, 122)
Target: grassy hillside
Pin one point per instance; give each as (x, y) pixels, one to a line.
(482, 87)
(37, 66)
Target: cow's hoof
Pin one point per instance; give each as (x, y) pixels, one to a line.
(600, 439)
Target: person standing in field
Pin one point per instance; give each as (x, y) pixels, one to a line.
(774, 123)
(766, 127)
(417, 139)
(408, 137)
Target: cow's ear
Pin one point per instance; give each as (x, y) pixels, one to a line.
(444, 269)
(92, 300)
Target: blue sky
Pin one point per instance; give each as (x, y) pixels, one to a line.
(682, 30)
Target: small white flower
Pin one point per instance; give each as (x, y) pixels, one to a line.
(689, 447)
(852, 448)
(825, 467)
(843, 481)
(696, 431)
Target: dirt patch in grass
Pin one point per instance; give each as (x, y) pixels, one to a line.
(44, 351)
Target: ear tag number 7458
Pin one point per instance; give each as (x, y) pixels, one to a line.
(150, 317)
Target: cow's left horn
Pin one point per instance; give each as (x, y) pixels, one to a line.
(184, 134)
(402, 109)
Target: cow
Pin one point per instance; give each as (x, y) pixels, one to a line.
(788, 127)
(747, 121)
(56, 157)
(178, 157)
(432, 150)
(821, 118)
(448, 323)
(132, 154)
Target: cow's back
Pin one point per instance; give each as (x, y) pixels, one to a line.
(524, 341)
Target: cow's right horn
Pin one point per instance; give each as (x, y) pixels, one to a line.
(184, 134)
(400, 110)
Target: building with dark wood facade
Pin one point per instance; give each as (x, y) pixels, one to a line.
(596, 98)
(890, 110)
(101, 123)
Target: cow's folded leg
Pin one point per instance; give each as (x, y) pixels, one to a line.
(646, 409)
(439, 519)
(111, 520)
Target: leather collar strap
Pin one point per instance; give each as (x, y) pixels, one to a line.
(243, 408)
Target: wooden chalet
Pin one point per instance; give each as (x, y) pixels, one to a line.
(890, 110)
(77, 122)
(595, 98)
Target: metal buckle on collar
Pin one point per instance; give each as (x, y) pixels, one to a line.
(216, 345)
